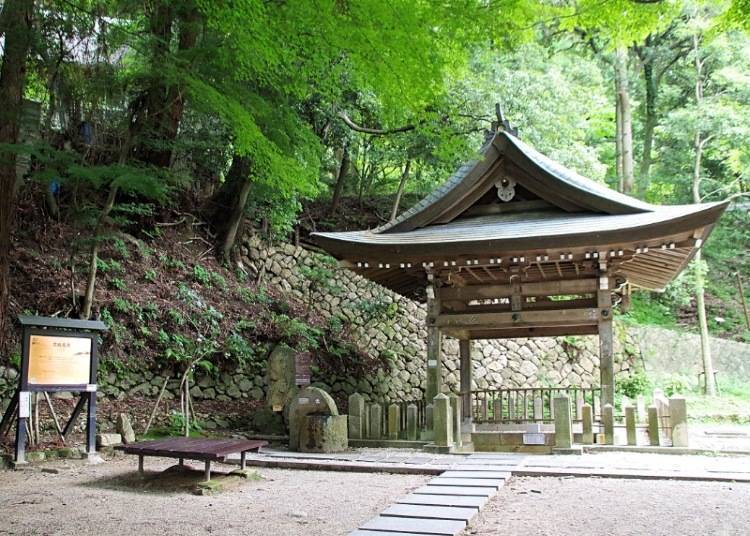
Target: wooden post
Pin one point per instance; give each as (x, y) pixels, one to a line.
(742, 299)
(464, 348)
(606, 364)
(434, 345)
(207, 470)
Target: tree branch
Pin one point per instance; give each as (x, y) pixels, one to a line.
(373, 131)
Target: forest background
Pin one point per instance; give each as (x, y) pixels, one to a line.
(120, 118)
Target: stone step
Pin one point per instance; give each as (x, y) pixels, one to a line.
(444, 500)
(430, 512)
(441, 527)
(501, 475)
(456, 490)
(468, 482)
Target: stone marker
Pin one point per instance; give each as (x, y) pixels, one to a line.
(653, 426)
(108, 440)
(587, 421)
(497, 409)
(280, 377)
(125, 428)
(630, 426)
(678, 421)
(563, 425)
(579, 404)
(356, 416)
(455, 403)
(442, 421)
(428, 411)
(323, 433)
(394, 421)
(308, 401)
(608, 420)
(538, 409)
(640, 404)
(411, 422)
(375, 430)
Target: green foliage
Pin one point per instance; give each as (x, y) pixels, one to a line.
(150, 275)
(637, 383)
(208, 278)
(118, 283)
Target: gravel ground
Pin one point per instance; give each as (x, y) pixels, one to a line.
(111, 499)
(615, 507)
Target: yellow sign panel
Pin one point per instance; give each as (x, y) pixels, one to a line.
(59, 360)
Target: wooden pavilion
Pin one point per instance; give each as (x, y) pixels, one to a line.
(516, 245)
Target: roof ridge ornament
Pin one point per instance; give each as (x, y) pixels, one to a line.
(502, 123)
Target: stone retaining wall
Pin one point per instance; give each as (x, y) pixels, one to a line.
(386, 324)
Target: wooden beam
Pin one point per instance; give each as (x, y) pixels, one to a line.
(515, 333)
(557, 317)
(505, 208)
(540, 288)
(547, 305)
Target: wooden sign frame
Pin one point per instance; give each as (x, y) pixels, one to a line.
(60, 329)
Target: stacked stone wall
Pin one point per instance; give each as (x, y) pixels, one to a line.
(385, 324)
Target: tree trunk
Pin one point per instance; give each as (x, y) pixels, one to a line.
(88, 299)
(341, 178)
(164, 105)
(16, 25)
(228, 206)
(400, 191)
(618, 139)
(626, 119)
(648, 126)
(700, 302)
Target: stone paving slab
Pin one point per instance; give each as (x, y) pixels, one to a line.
(360, 532)
(482, 468)
(468, 482)
(444, 500)
(430, 512)
(485, 461)
(456, 490)
(442, 527)
(477, 474)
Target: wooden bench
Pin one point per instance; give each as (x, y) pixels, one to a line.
(186, 448)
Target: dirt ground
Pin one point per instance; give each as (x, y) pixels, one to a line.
(615, 507)
(111, 498)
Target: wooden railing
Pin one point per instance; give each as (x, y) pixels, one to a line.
(530, 405)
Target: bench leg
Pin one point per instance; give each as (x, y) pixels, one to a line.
(208, 470)
(242, 460)
(140, 464)
(181, 461)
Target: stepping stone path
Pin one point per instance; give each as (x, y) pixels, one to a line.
(446, 505)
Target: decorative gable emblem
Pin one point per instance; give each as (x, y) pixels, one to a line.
(506, 189)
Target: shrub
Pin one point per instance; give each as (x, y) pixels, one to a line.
(637, 383)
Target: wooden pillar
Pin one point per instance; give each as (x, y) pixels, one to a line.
(606, 361)
(434, 362)
(464, 348)
(434, 345)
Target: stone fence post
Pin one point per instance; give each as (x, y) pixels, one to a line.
(563, 426)
(442, 421)
(608, 420)
(678, 421)
(356, 416)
